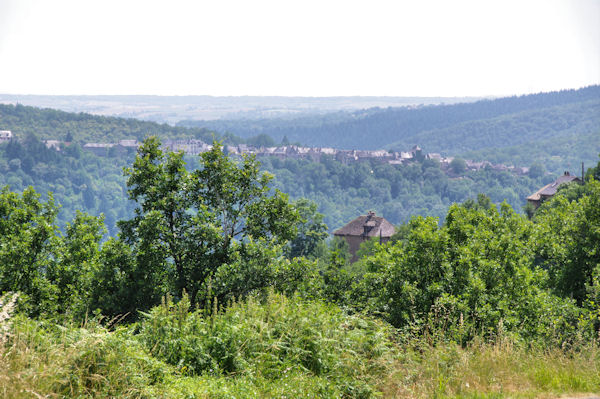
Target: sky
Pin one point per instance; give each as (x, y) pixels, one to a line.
(298, 48)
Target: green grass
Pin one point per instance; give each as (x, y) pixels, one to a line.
(274, 347)
(44, 360)
(498, 370)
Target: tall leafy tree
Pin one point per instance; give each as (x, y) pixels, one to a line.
(76, 255)
(188, 222)
(27, 235)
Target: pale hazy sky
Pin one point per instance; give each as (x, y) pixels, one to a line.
(304, 47)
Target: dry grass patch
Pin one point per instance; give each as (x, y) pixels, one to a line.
(499, 370)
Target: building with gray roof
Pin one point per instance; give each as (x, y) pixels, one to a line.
(363, 228)
(549, 190)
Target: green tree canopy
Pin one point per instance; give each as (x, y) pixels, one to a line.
(458, 165)
(311, 230)
(27, 232)
(568, 239)
(474, 274)
(188, 222)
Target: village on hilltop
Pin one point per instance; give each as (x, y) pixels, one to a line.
(195, 147)
(315, 154)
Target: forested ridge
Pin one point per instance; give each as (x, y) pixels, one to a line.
(51, 124)
(503, 129)
(217, 285)
(558, 137)
(396, 192)
(81, 180)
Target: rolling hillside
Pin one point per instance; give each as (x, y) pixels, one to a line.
(505, 129)
(51, 124)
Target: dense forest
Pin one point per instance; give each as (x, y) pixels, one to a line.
(219, 286)
(79, 180)
(557, 129)
(552, 132)
(396, 192)
(83, 181)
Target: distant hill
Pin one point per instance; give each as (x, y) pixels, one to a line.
(504, 129)
(172, 109)
(56, 125)
(559, 137)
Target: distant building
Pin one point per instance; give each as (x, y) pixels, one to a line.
(417, 153)
(363, 228)
(549, 190)
(521, 170)
(434, 155)
(189, 146)
(52, 144)
(129, 143)
(5, 135)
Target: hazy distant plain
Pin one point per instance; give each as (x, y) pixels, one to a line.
(172, 109)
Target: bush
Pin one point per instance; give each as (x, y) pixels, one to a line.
(473, 276)
(270, 341)
(259, 266)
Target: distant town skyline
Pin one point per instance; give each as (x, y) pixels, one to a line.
(298, 48)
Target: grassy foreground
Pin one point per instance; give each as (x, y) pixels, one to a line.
(275, 347)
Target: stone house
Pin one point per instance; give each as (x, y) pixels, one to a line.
(549, 190)
(363, 228)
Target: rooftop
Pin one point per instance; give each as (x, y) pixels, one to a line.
(367, 225)
(550, 189)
